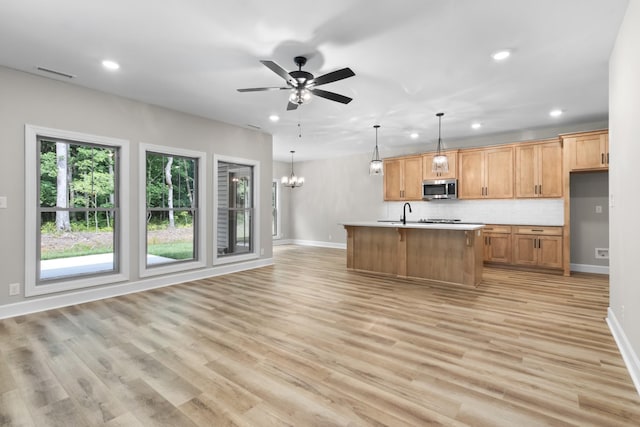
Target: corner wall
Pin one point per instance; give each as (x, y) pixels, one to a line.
(624, 198)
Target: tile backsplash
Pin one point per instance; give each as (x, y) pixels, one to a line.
(510, 211)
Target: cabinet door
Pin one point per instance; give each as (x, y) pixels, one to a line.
(499, 173)
(471, 174)
(392, 179)
(526, 171)
(498, 248)
(525, 249)
(427, 161)
(588, 152)
(412, 182)
(550, 170)
(550, 251)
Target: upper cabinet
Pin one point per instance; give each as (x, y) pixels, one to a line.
(403, 178)
(485, 173)
(587, 150)
(427, 161)
(538, 171)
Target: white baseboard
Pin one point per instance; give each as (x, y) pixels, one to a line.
(94, 294)
(628, 355)
(587, 268)
(282, 242)
(319, 244)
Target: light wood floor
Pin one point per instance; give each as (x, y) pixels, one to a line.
(308, 343)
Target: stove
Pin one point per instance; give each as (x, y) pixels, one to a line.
(440, 221)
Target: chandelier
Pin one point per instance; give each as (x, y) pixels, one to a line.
(292, 180)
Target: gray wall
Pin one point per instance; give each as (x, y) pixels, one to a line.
(589, 229)
(26, 98)
(624, 232)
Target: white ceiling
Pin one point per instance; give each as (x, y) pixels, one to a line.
(412, 59)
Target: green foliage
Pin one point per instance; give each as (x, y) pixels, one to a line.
(173, 250)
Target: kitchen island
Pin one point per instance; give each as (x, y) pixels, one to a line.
(443, 252)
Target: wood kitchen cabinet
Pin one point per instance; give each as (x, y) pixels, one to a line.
(587, 151)
(403, 178)
(486, 173)
(427, 161)
(538, 246)
(497, 243)
(538, 171)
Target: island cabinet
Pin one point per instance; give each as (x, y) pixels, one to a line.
(442, 252)
(497, 243)
(587, 151)
(538, 171)
(427, 162)
(403, 178)
(537, 246)
(485, 173)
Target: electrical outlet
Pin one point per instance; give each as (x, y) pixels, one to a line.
(3, 202)
(261, 251)
(14, 289)
(602, 253)
(598, 209)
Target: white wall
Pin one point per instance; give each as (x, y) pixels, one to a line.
(26, 98)
(624, 232)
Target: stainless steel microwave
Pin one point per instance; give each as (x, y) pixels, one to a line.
(439, 189)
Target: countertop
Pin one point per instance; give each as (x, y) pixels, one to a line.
(398, 224)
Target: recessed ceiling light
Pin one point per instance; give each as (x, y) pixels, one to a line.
(274, 118)
(501, 55)
(555, 113)
(476, 125)
(110, 65)
(414, 135)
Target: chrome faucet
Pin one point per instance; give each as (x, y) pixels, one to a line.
(404, 213)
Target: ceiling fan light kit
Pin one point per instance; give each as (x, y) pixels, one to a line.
(440, 161)
(303, 84)
(376, 165)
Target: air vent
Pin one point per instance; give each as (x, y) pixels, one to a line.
(57, 73)
(254, 127)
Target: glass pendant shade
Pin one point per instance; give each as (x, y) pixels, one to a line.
(292, 180)
(440, 161)
(376, 165)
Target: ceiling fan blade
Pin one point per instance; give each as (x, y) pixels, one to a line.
(331, 95)
(259, 89)
(333, 76)
(281, 72)
(291, 106)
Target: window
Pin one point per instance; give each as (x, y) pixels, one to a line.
(74, 211)
(172, 218)
(275, 206)
(236, 221)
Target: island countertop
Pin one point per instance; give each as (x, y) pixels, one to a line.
(419, 225)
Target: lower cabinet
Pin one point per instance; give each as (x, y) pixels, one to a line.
(497, 244)
(537, 246)
(524, 246)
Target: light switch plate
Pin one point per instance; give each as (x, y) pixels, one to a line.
(3, 202)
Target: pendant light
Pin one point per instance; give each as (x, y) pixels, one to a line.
(375, 166)
(440, 161)
(292, 180)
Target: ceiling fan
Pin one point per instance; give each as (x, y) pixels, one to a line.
(302, 83)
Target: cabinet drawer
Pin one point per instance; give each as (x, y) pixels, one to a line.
(501, 229)
(540, 231)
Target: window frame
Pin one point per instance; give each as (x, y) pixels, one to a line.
(255, 223)
(278, 222)
(32, 222)
(200, 231)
